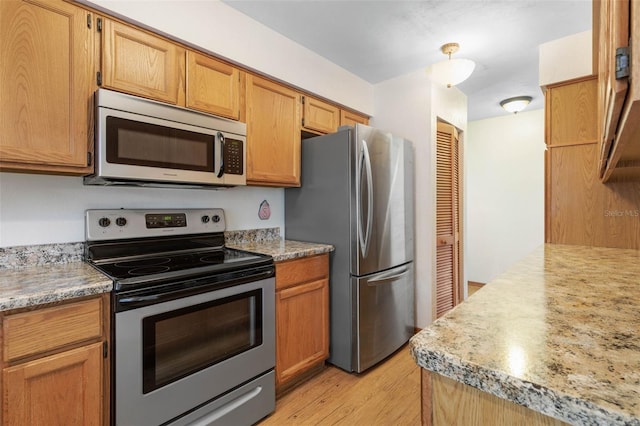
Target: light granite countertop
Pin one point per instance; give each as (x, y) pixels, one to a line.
(559, 332)
(25, 287)
(283, 249)
(57, 272)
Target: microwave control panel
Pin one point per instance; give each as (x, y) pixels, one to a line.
(233, 157)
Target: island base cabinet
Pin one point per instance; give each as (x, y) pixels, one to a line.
(63, 389)
(448, 402)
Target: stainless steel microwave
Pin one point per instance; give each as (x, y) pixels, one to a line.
(147, 143)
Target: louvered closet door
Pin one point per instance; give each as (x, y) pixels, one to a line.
(448, 218)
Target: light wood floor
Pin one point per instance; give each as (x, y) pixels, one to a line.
(388, 394)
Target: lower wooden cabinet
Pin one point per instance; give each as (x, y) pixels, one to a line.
(62, 389)
(55, 366)
(302, 318)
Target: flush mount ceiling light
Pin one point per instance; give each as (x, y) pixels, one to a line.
(452, 71)
(517, 104)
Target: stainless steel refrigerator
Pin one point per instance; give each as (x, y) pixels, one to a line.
(357, 193)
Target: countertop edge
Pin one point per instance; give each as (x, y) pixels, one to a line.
(544, 400)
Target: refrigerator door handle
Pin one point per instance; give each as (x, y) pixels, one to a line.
(387, 278)
(365, 160)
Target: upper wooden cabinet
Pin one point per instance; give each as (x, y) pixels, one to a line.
(570, 108)
(140, 63)
(618, 23)
(319, 116)
(273, 133)
(349, 118)
(46, 86)
(212, 86)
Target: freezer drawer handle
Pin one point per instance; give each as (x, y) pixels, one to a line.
(387, 278)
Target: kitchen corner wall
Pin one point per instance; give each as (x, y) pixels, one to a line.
(504, 192)
(409, 106)
(41, 209)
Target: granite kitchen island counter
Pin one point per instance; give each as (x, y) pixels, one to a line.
(559, 333)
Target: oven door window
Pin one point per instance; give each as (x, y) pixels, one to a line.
(181, 342)
(144, 144)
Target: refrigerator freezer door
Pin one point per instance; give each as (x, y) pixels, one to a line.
(385, 320)
(383, 217)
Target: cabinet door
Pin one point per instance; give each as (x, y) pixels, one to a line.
(319, 116)
(623, 162)
(348, 118)
(302, 324)
(140, 63)
(613, 33)
(212, 86)
(63, 389)
(46, 86)
(273, 133)
(570, 110)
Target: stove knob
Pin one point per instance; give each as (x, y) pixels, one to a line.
(215, 218)
(205, 219)
(104, 222)
(121, 221)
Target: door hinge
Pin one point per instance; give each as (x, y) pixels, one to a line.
(303, 122)
(89, 158)
(302, 100)
(622, 62)
(89, 20)
(99, 24)
(99, 78)
(105, 349)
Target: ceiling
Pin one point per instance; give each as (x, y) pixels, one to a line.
(379, 40)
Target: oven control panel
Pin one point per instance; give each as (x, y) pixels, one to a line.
(108, 224)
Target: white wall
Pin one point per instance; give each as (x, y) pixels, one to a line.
(504, 192)
(221, 30)
(41, 209)
(409, 106)
(565, 58)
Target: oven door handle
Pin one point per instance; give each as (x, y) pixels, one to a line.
(141, 300)
(130, 302)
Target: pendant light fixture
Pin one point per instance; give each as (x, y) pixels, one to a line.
(516, 104)
(451, 71)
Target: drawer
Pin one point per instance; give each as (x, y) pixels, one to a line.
(301, 270)
(45, 330)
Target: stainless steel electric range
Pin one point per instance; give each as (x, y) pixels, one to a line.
(193, 322)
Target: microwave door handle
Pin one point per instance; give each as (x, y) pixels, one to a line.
(221, 139)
